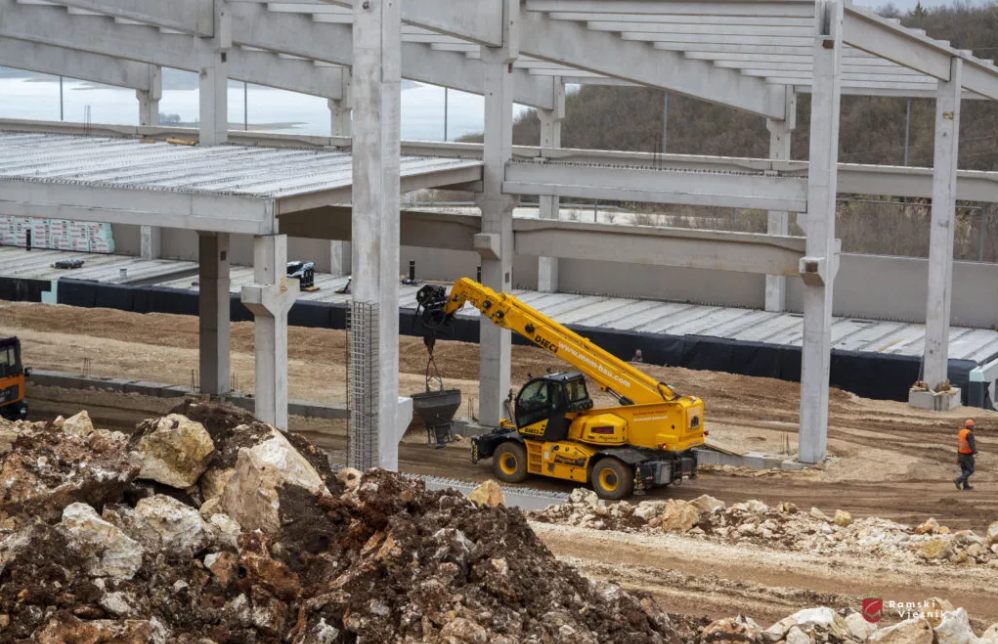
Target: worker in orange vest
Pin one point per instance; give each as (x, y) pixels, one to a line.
(967, 450)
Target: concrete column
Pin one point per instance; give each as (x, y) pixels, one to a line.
(213, 311)
(377, 90)
(339, 258)
(270, 298)
(213, 95)
(547, 267)
(149, 99)
(941, 236)
(150, 240)
(151, 247)
(780, 133)
(819, 267)
(341, 113)
(495, 242)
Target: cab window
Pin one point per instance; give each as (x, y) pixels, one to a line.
(577, 391)
(8, 362)
(535, 396)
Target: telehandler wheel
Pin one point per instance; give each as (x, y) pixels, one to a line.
(510, 462)
(612, 480)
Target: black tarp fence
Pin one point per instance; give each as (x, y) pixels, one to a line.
(878, 376)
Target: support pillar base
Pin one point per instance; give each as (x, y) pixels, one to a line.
(935, 401)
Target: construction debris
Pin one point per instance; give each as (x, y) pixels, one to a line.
(121, 556)
(783, 527)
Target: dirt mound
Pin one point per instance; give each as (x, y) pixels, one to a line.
(45, 469)
(377, 559)
(783, 527)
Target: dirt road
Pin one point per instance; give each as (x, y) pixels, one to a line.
(697, 577)
(887, 459)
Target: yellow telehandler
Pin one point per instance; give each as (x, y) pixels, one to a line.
(553, 429)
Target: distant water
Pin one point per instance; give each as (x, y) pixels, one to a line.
(422, 107)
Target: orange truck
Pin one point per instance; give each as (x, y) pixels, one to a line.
(12, 375)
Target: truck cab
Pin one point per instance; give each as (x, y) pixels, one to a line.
(12, 374)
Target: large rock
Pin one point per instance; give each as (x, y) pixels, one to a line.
(797, 635)
(731, 629)
(842, 518)
(990, 634)
(462, 631)
(648, 510)
(66, 629)
(929, 527)
(252, 494)
(174, 451)
(910, 631)
(859, 627)
(816, 513)
(933, 610)
(179, 527)
(78, 425)
(934, 549)
(488, 494)
(992, 534)
(708, 504)
(679, 516)
(109, 552)
(954, 628)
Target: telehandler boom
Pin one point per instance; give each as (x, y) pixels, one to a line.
(554, 430)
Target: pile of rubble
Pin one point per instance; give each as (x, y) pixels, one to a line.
(933, 621)
(206, 526)
(783, 526)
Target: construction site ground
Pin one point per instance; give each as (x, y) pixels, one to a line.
(887, 459)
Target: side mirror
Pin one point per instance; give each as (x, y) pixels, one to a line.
(27, 372)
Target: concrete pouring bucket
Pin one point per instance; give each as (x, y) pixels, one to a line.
(436, 408)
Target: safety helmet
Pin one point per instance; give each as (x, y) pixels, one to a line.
(969, 424)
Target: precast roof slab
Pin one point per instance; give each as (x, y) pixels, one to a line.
(226, 188)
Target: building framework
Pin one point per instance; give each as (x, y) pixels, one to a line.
(755, 56)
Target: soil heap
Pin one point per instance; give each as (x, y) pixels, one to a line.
(208, 526)
(782, 527)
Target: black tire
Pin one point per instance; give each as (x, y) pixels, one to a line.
(509, 462)
(612, 480)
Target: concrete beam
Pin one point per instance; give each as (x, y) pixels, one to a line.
(131, 43)
(656, 185)
(943, 230)
(778, 9)
(446, 231)
(193, 16)
(680, 247)
(229, 214)
(821, 264)
(213, 312)
(299, 35)
(270, 298)
(377, 87)
(57, 61)
(480, 21)
(573, 45)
